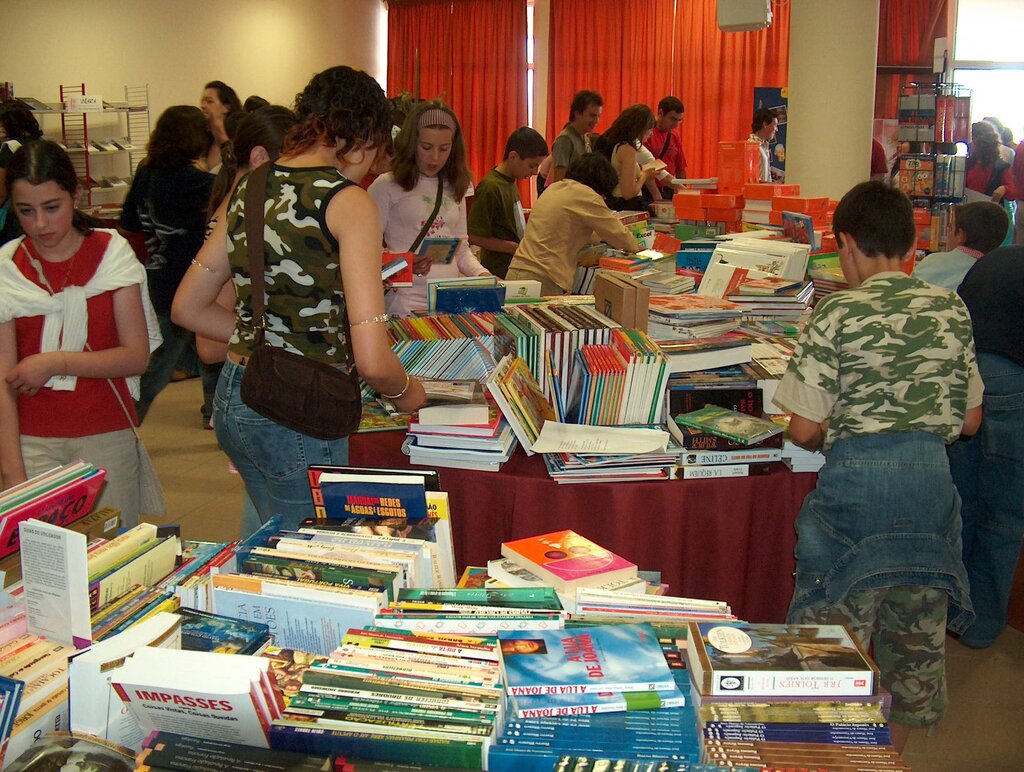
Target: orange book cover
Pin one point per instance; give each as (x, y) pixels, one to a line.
(568, 559)
(800, 204)
(762, 191)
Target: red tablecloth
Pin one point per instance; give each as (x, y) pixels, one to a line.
(727, 539)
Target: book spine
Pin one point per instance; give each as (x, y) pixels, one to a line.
(440, 701)
(371, 746)
(375, 639)
(317, 704)
(714, 470)
(648, 686)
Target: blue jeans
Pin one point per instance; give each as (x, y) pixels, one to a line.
(988, 471)
(271, 458)
(884, 514)
(161, 363)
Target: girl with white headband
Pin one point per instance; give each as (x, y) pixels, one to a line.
(424, 196)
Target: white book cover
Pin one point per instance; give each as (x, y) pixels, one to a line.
(215, 697)
(316, 626)
(95, 707)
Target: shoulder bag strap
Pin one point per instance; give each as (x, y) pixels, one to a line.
(664, 148)
(255, 199)
(433, 215)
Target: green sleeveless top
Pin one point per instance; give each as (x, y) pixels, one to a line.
(305, 300)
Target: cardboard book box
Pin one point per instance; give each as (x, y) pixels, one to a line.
(622, 299)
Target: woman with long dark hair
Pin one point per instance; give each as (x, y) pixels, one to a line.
(619, 144)
(167, 202)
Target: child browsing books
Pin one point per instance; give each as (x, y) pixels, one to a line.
(73, 331)
(883, 377)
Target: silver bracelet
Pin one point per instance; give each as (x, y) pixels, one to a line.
(372, 319)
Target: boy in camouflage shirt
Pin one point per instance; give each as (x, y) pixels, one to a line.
(882, 378)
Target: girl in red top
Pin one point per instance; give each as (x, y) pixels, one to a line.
(72, 330)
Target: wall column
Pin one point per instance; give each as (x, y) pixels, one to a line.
(832, 59)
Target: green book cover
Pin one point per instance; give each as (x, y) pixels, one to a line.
(730, 424)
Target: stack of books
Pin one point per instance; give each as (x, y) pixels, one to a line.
(389, 696)
(575, 468)
(773, 298)
(547, 336)
(615, 691)
(388, 503)
(745, 430)
(459, 428)
(617, 383)
(483, 446)
(446, 347)
(787, 696)
(692, 354)
(597, 606)
(827, 279)
(480, 611)
(691, 316)
(566, 561)
(60, 496)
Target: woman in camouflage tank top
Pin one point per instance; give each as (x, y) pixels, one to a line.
(322, 234)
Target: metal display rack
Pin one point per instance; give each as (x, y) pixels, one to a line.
(934, 132)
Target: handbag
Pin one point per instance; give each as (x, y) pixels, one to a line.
(300, 393)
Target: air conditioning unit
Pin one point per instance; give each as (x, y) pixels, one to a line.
(744, 15)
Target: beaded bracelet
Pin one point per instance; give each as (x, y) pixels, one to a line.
(196, 262)
(400, 394)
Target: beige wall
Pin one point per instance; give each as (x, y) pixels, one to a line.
(832, 56)
(267, 47)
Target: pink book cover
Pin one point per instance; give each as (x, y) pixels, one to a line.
(568, 558)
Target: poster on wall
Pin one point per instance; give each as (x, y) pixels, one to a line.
(777, 100)
(887, 131)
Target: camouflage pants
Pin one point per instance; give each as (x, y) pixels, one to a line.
(907, 627)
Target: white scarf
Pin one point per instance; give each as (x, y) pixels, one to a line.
(65, 314)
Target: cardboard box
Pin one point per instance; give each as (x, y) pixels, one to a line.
(621, 298)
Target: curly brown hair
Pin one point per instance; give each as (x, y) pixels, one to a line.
(339, 105)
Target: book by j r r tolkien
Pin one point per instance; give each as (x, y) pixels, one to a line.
(614, 658)
(777, 659)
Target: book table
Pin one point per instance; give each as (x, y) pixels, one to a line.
(728, 539)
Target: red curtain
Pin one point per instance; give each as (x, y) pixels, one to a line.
(623, 49)
(641, 50)
(472, 53)
(489, 76)
(419, 48)
(907, 30)
(717, 72)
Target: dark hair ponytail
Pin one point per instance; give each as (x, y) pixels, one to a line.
(45, 161)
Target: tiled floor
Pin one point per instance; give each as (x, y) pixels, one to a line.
(984, 725)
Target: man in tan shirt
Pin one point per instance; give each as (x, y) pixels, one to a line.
(564, 220)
